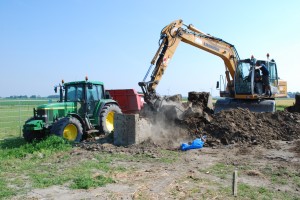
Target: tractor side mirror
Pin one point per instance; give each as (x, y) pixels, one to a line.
(218, 85)
(55, 89)
(107, 95)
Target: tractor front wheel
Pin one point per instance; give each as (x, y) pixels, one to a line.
(69, 128)
(30, 136)
(107, 117)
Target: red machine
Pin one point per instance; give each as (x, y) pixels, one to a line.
(129, 100)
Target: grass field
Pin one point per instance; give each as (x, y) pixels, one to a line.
(282, 103)
(13, 114)
(25, 166)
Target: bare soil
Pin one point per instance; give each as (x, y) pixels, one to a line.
(191, 176)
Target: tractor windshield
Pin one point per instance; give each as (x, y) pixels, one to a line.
(74, 93)
(94, 93)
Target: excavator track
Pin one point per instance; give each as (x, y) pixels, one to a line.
(263, 105)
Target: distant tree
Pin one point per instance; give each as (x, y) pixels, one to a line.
(32, 97)
(292, 94)
(55, 96)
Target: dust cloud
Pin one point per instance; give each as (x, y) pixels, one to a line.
(167, 128)
(235, 126)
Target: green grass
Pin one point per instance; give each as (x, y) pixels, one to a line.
(25, 166)
(212, 189)
(282, 103)
(246, 191)
(13, 114)
(86, 182)
(54, 161)
(282, 175)
(276, 175)
(17, 158)
(220, 170)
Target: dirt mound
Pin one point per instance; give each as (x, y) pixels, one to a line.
(202, 99)
(296, 106)
(236, 126)
(243, 126)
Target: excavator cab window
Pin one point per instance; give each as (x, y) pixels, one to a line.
(273, 77)
(244, 78)
(273, 73)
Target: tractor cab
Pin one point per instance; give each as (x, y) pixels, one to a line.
(85, 94)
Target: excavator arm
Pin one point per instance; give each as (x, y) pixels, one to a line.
(171, 36)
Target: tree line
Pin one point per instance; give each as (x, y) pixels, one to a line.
(292, 94)
(31, 97)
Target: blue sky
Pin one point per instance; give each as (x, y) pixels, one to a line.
(42, 42)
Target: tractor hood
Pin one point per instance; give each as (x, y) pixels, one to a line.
(58, 106)
(52, 111)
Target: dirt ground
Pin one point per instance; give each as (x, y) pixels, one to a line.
(191, 176)
(263, 147)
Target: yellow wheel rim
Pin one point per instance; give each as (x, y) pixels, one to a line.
(70, 132)
(110, 121)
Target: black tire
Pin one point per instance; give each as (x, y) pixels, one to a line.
(69, 128)
(30, 136)
(107, 118)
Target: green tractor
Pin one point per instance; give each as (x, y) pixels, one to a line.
(84, 107)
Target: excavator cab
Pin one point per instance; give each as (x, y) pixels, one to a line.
(248, 79)
(249, 88)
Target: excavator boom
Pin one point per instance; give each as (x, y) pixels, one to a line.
(177, 32)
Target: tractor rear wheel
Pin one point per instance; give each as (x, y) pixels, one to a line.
(69, 128)
(107, 117)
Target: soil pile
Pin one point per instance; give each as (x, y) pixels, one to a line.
(236, 126)
(239, 125)
(296, 106)
(243, 126)
(201, 99)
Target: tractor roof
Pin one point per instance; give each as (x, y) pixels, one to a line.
(84, 82)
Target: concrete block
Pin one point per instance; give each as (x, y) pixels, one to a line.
(130, 129)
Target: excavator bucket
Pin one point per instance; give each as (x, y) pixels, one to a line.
(173, 108)
(267, 105)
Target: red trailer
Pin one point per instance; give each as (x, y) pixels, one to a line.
(129, 100)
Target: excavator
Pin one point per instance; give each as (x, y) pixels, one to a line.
(240, 88)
